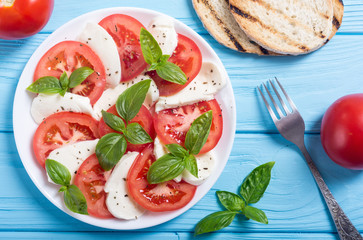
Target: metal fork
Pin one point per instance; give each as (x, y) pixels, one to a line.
(291, 126)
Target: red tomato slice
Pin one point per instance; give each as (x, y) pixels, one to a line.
(143, 118)
(68, 56)
(91, 180)
(125, 31)
(60, 129)
(172, 125)
(161, 197)
(189, 58)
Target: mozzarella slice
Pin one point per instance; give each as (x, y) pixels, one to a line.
(44, 105)
(105, 47)
(203, 87)
(73, 155)
(109, 96)
(206, 163)
(118, 201)
(162, 29)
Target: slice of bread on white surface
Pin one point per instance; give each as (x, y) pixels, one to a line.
(285, 26)
(220, 23)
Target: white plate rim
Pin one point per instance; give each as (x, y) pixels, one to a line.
(23, 121)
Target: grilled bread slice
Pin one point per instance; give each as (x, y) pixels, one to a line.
(285, 26)
(220, 23)
(338, 12)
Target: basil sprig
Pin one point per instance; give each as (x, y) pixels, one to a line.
(251, 191)
(154, 57)
(173, 164)
(51, 85)
(111, 147)
(73, 197)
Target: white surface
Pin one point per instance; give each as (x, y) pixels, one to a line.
(24, 126)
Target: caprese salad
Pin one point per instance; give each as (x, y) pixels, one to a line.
(127, 117)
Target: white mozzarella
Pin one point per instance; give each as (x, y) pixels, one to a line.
(73, 155)
(109, 96)
(105, 47)
(162, 29)
(206, 163)
(118, 201)
(203, 87)
(44, 105)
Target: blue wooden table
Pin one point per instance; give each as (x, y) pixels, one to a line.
(292, 202)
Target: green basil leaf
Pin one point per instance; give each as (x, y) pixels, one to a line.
(231, 201)
(74, 200)
(64, 81)
(130, 101)
(113, 121)
(154, 66)
(191, 165)
(136, 134)
(79, 75)
(150, 47)
(164, 58)
(109, 150)
(214, 222)
(255, 214)
(165, 168)
(63, 188)
(177, 150)
(171, 73)
(198, 132)
(58, 172)
(47, 85)
(255, 184)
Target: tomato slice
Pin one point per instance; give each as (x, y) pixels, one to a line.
(91, 180)
(188, 57)
(143, 118)
(125, 31)
(60, 129)
(172, 125)
(161, 197)
(67, 56)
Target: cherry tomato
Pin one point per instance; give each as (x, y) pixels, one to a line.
(189, 58)
(60, 129)
(342, 131)
(172, 125)
(68, 56)
(161, 197)
(143, 118)
(91, 180)
(23, 18)
(125, 31)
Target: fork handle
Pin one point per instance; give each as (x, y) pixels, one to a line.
(345, 228)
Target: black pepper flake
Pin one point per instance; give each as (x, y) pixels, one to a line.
(153, 25)
(205, 168)
(75, 172)
(89, 38)
(124, 179)
(126, 195)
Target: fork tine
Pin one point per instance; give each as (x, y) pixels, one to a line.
(293, 106)
(272, 114)
(274, 103)
(287, 111)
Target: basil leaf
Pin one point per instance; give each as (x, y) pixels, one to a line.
(79, 75)
(150, 47)
(198, 132)
(165, 168)
(64, 81)
(255, 214)
(58, 172)
(231, 201)
(109, 150)
(177, 150)
(214, 222)
(191, 165)
(47, 85)
(256, 183)
(130, 101)
(63, 188)
(113, 121)
(171, 73)
(136, 134)
(74, 200)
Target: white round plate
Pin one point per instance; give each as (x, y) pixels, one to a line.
(24, 126)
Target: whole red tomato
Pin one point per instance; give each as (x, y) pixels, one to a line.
(23, 18)
(342, 131)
